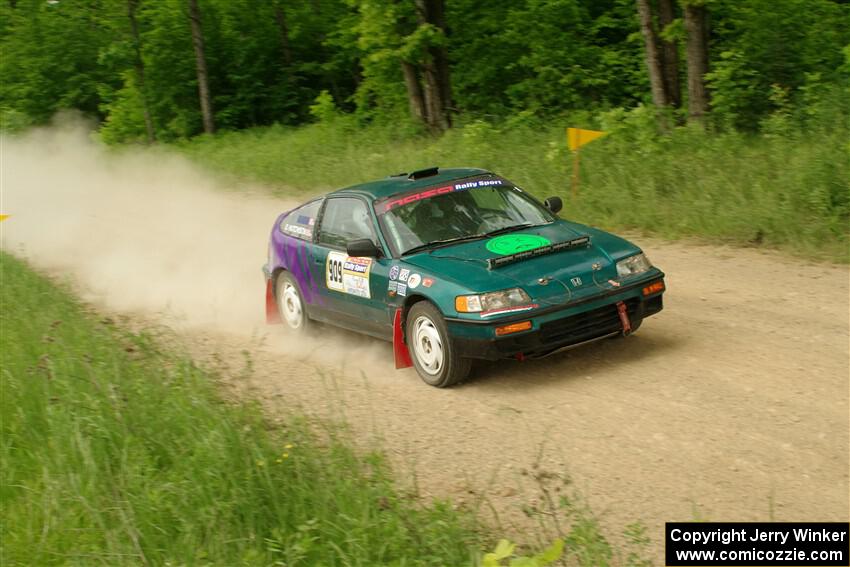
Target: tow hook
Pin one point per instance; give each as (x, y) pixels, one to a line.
(624, 318)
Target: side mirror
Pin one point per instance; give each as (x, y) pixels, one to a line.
(554, 204)
(362, 247)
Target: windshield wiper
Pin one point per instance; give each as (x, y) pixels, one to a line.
(438, 243)
(511, 228)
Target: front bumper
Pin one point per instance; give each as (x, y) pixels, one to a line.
(556, 330)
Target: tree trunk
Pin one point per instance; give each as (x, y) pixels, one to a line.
(414, 92)
(280, 18)
(669, 56)
(696, 24)
(201, 64)
(653, 59)
(132, 6)
(438, 92)
(436, 114)
(437, 16)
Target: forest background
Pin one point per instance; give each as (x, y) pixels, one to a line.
(728, 119)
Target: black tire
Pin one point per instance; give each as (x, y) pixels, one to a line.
(287, 295)
(431, 349)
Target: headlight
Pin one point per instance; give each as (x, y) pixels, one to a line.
(490, 301)
(633, 265)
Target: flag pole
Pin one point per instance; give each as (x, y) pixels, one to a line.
(575, 173)
(576, 137)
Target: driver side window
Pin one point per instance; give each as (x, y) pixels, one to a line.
(343, 220)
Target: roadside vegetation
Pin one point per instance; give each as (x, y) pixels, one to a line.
(789, 189)
(117, 452)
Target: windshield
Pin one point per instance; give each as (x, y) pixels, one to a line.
(460, 215)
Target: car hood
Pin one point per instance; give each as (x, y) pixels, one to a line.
(557, 276)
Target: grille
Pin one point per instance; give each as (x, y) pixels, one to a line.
(587, 325)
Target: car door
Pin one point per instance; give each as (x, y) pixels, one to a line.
(355, 289)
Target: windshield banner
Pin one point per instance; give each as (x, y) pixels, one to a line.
(389, 203)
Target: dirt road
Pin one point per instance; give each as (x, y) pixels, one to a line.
(732, 404)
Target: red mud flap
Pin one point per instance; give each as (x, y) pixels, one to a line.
(272, 314)
(624, 317)
(402, 355)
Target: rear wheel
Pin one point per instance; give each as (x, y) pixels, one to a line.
(433, 352)
(290, 304)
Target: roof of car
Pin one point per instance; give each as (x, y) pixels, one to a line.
(404, 182)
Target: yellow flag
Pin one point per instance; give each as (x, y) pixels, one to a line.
(577, 137)
(4, 217)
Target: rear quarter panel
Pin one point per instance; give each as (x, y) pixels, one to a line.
(295, 256)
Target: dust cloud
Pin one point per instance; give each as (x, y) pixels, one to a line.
(143, 232)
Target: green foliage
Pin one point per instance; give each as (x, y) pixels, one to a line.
(563, 516)
(762, 43)
(268, 61)
(116, 452)
(50, 57)
(385, 34)
(81, 55)
(504, 551)
(324, 109)
(732, 85)
(545, 56)
(124, 110)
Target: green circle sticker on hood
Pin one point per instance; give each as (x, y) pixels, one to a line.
(513, 243)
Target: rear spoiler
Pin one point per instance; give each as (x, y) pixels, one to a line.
(542, 251)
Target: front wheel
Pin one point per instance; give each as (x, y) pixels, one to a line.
(434, 355)
(290, 304)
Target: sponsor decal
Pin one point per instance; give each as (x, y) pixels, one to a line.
(357, 265)
(304, 219)
(413, 281)
(300, 231)
(392, 203)
(348, 274)
(394, 272)
(506, 310)
(392, 288)
(402, 289)
(479, 183)
(513, 243)
(427, 282)
(576, 281)
(402, 276)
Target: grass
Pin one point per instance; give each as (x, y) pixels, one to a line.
(116, 452)
(786, 190)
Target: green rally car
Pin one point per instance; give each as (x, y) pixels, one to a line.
(453, 265)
